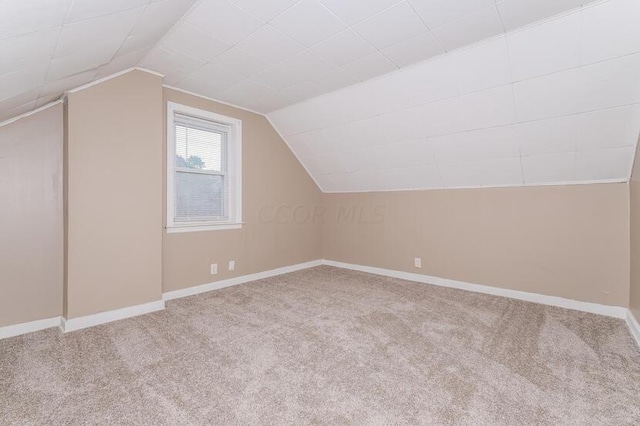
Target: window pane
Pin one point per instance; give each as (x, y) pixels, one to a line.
(199, 197)
(199, 149)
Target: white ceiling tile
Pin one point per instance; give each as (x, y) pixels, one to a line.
(335, 79)
(270, 45)
(265, 10)
(468, 29)
(517, 13)
(414, 49)
(137, 43)
(122, 62)
(223, 20)
(304, 90)
(87, 9)
(609, 128)
(439, 118)
(56, 87)
(501, 172)
(551, 136)
(237, 61)
(486, 144)
(611, 29)
(190, 41)
(244, 92)
(211, 78)
(391, 26)
(23, 80)
(160, 16)
(359, 160)
(546, 48)
(306, 65)
(276, 78)
(10, 104)
(292, 120)
(434, 13)
(428, 82)
(343, 48)
(604, 164)
(81, 61)
(487, 108)
(18, 51)
(408, 154)
(327, 164)
(308, 22)
(549, 168)
(370, 66)
(424, 177)
(483, 66)
(589, 88)
(106, 29)
(167, 61)
(27, 16)
(393, 179)
(352, 11)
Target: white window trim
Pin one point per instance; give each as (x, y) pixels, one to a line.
(234, 158)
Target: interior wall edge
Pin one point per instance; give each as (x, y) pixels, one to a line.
(30, 113)
(304, 166)
(207, 98)
(634, 326)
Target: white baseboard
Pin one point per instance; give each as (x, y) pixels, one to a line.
(28, 327)
(634, 327)
(594, 308)
(73, 324)
(190, 291)
(67, 325)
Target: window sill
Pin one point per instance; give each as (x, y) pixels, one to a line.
(202, 228)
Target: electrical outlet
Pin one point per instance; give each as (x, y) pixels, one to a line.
(417, 262)
(214, 268)
(232, 265)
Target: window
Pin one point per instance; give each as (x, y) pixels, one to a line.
(204, 169)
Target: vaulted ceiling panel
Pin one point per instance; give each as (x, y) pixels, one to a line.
(49, 46)
(542, 105)
(371, 95)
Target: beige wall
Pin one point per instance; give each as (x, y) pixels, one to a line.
(31, 218)
(634, 191)
(272, 179)
(573, 241)
(114, 196)
(567, 241)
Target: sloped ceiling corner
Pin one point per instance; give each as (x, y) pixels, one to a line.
(260, 55)
(49, 46)
(557, 102)
(369, 94)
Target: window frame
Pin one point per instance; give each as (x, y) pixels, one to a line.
(232, 157)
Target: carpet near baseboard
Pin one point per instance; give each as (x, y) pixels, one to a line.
(329, 346)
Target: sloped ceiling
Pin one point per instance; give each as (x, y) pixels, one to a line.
(258, 54)
(556, 102)
(265, 55)
(49, 46)
(369, 94)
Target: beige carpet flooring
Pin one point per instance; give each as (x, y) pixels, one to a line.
(329, 346)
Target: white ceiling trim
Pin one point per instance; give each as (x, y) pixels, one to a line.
(526, 185)
(109, 77)
(27, 114)
(186, 92)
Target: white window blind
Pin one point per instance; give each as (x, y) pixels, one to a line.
(201, 181)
